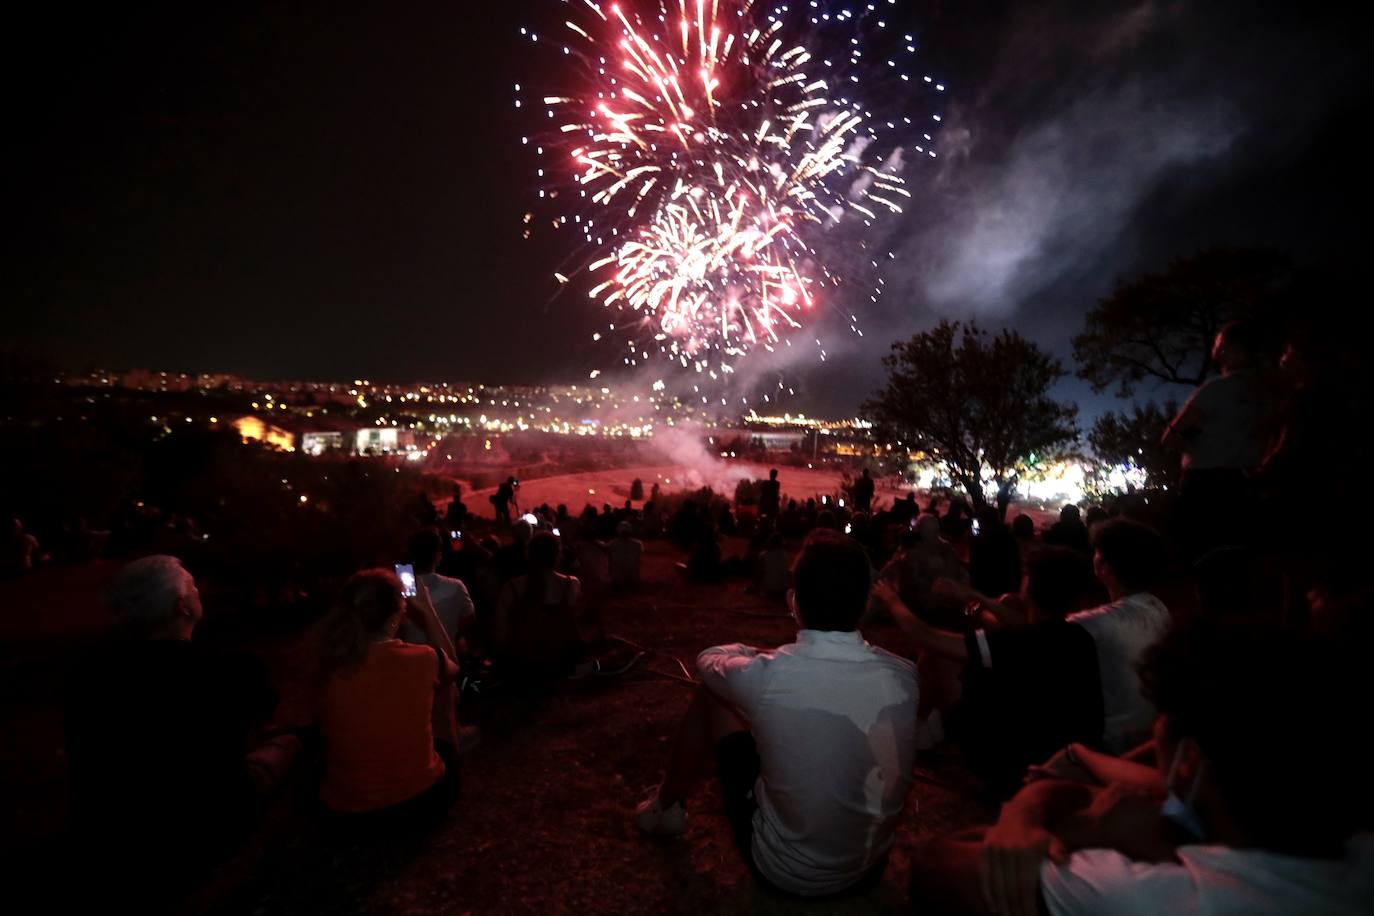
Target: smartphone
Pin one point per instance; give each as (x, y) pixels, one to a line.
(557, 533)
(456, 535)
(977, 528)
(406, 573)
(531, 518)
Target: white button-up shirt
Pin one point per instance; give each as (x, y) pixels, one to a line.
(834, 720)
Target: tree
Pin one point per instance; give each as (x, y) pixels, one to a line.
(1161, 325)
(978, 405)
(1131, 438)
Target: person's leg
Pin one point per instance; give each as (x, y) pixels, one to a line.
(691, 753)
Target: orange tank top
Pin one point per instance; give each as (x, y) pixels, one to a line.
(379, 744)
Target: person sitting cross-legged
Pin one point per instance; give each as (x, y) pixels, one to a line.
(814, 741)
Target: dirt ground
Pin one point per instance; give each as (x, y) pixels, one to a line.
(543, 821)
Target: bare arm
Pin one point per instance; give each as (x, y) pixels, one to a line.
(1006, 615)
(950, 645)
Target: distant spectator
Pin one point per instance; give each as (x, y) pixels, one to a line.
(994, 557)
(770, 495)
(450, 597)
(924, 558)
(537, 619)
(1223, 431)
(813, 743)
(1129, 560)
(704, 560)
(21, 551)
(1043, 690)
(387, 715)
(652, 522)
(1095, 516)
(1069, 531)
(456, 515)
(626, 554)
(726, 521)
(425, 514)
(863, 492)
(165, 740)
(503, 499)
(904, 510)
(593, 563)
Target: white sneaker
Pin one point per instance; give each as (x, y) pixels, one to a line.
(930, 731)
(654, 819)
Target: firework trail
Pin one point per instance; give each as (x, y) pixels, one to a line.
(712, 146)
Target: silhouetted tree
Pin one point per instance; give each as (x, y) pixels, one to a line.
(1131, 437)
(977, 404)
(1161, 325)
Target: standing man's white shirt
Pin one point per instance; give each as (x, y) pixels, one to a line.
(1231, 414)
(1122, 631)
(834, 720)
(1212, 880)
(452, 604)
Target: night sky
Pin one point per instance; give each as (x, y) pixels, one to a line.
(335, 191)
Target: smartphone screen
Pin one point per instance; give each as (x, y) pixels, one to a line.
(406, 572)
(456, 535)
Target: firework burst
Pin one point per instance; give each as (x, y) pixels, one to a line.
(711, 148)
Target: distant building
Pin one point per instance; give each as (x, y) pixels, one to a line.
(317, 443)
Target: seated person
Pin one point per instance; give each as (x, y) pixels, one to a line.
(814, 742)
(450, 597)
(1230, 818)
(163, 737)
(537, 627)
(1128, 559)
(625, 554)
(704, 562)
(773, 575)
(387, 714)
(1043, 692)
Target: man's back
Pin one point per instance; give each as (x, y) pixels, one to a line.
(834, 722)
(1122, 631)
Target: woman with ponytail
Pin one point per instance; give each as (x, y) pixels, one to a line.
(387, 714)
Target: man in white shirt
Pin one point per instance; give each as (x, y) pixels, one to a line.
(1223, 431)
(1228, 819)
(1128, 558)
(450, 597)
(814, 742)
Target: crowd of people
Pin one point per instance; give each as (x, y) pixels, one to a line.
(1154, 739)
